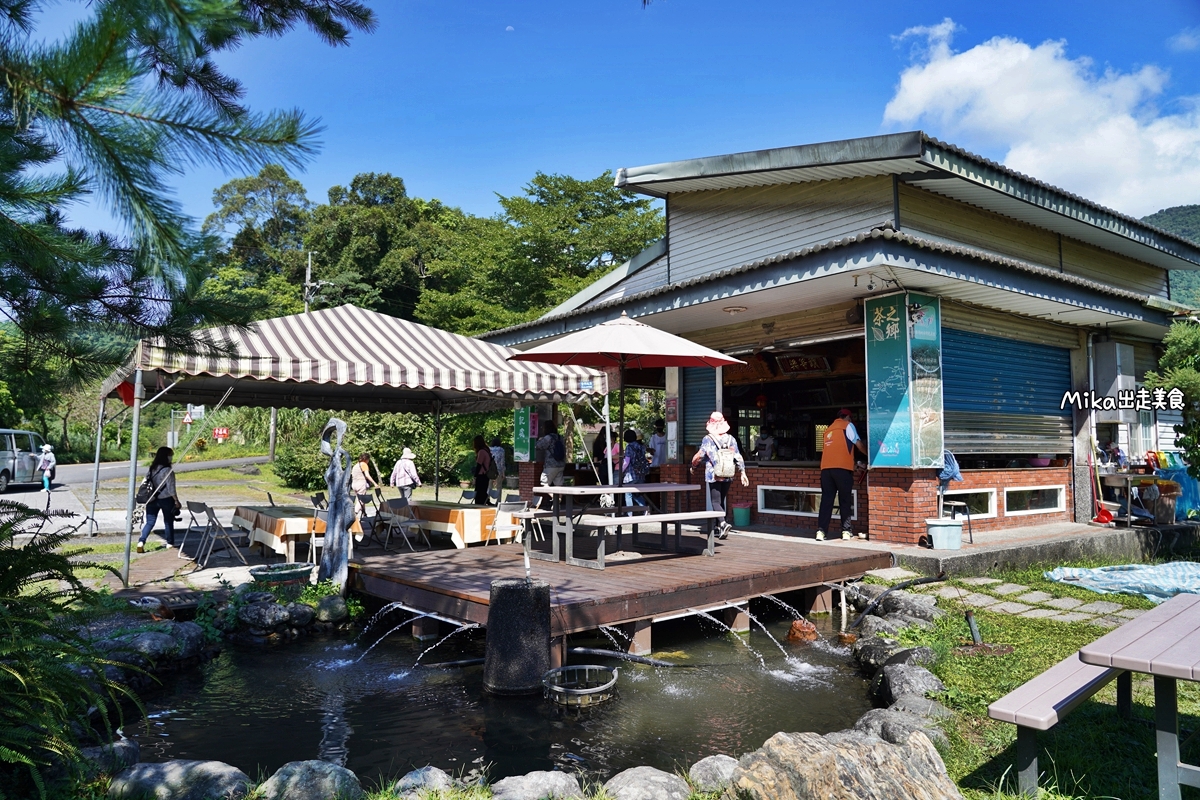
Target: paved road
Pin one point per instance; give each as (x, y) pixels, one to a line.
(82, 473)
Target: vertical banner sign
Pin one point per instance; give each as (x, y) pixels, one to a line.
(925, 347)
(522, 446)
(889, 413)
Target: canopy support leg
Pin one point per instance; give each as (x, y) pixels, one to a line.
(139, 391)
(437, 454)
(96, 470)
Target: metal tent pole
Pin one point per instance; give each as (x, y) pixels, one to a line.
(139, 392)
(437, 457)
(96, 469)
(274, 431)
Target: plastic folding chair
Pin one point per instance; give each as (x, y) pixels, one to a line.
(512, 498)
(196, 510)
(318, 500)
(317, 540)
(270, 499)
(467, 496)
(398, 517)
(217, 532)
(514, 529)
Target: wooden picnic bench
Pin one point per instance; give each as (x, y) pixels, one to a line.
(1041, 703)
(707, 519)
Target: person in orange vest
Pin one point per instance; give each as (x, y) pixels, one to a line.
(837, 473)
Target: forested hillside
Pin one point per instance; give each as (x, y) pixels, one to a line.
(1182, 221)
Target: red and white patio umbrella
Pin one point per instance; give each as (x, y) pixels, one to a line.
(624, 343)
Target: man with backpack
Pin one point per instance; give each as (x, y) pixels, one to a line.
(723, 460)
(552, 452)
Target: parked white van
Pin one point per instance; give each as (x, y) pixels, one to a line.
(19, 453)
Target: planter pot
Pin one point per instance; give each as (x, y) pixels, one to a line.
(290, 577)
(945, 534)
(465, 484)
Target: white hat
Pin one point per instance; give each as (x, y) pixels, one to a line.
(717, 424)
(46, 448)
(407, 453)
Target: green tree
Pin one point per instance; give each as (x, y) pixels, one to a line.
(261, 220)
(1179, 368)
(371, 243)
(560, 235)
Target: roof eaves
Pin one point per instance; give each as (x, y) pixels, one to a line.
(885, 233)
(1095, 208)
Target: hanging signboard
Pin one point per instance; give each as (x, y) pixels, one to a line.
(522, 441)
(802, 364)
(925, 350)
(904, 381)
(889, 415)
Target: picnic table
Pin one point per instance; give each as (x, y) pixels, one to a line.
(466, 524)
(279, 527)
(1165, 643)
(578, 508)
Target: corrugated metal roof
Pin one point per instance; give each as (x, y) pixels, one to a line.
(967, 291)
(926, 162)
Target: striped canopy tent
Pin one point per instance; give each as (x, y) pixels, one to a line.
(351, 359)
(338, 359)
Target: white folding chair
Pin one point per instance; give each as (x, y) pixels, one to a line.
(494, 496)
(198, 520)
(398, 517)
(514, 528)
(214, 532)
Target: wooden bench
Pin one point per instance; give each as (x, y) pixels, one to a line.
(707, 519)
(1043, 702)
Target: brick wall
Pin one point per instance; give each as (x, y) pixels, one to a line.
(528, 476)
(1001, 479)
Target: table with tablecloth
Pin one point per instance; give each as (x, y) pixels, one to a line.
(279, 527)
(466, 524)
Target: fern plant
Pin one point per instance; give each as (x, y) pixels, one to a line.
(51, 678)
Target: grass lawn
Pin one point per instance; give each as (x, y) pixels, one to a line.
(1094, 752)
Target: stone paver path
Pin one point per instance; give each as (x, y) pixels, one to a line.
(1013, 598)
(893, 574)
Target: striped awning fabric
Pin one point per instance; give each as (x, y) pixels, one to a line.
(351, 358)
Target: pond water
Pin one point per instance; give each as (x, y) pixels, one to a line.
(258, 708)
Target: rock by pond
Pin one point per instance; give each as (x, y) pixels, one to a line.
(647, 783)
(714, 773)
(537, 785)
(311, 780)
(180, 780)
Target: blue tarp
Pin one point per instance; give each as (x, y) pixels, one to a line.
(1189, 497)
(1155, 582)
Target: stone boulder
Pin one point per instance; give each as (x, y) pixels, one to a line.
(921, 656)
(920, 606)
(423, 779)
(189, 639)
(265, 615)
(249, 597)
(902, 621)
(300, 615)
(895, 680)
(152, 645)
(109, 759)
(861, 594)
(537, 785)
(921, 706)
(332, 609)
(842, 766)
(311, 780)
(712, 774)
(877, 626)
(646, 783)
(180, 780)
(802, 630)
(873, 651)
(895, 726)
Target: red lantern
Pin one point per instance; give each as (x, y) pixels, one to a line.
(761, 401)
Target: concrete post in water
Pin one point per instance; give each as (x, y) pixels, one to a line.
(518, 636)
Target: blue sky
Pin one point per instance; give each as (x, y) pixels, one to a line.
(466, 99)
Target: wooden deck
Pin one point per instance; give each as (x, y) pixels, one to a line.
(457, 583)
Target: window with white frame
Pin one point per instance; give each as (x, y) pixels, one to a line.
(980, 502)
(1143, 435)
(1034, 500)
(797, 501)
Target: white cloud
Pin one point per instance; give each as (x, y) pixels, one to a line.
(1185, 41)
(1099, 135)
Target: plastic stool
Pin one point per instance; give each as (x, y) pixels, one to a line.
(955, 506)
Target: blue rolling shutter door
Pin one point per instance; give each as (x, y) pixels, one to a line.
(699, 400)
(1003, 396)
